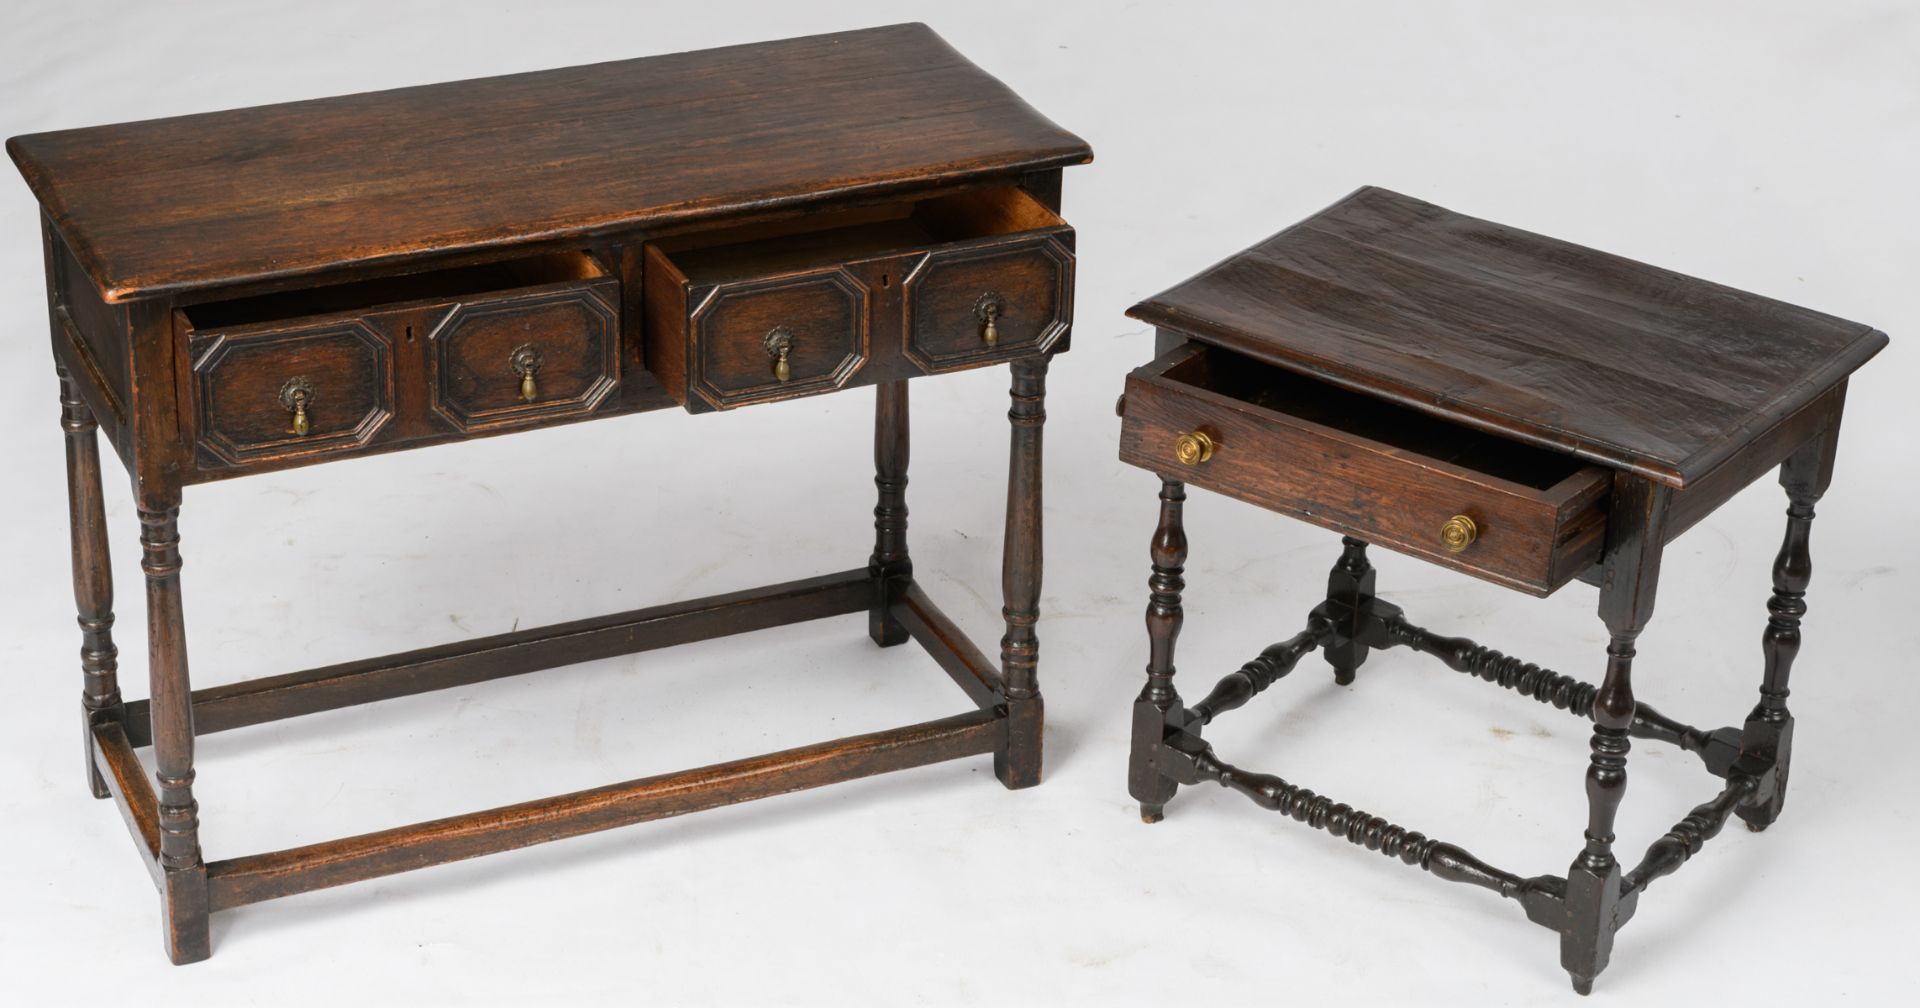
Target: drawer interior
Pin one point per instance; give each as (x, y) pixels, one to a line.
(446, 284)
(860, 233)
(1398, 427)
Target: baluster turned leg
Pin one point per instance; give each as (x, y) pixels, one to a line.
(184, 889)
(1158, 706)
(890, 567)
(1018, 764)
(1767, 738)
(1349, 598)
(92, 575)
(1596, 904)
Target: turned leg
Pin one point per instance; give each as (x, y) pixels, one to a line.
(1596, 904)
(1158, 706)
(1349, 596)
(92, 575)
(1018, 764)
(892, 570)
(1767, 738)
(184, 882)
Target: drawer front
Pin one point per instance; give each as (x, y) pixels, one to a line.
(981, 303)
(298, 376)
(1523, 537)
(530, 356)
(291, 390)
(763, 340)
(855, 294)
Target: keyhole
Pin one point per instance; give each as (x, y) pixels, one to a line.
(409, 334)
(886, 280)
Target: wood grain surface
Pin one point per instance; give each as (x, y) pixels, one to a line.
(288, 190)
(1366, 468)
(1537, 339)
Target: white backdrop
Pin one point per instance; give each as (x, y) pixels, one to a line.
(1770, 146)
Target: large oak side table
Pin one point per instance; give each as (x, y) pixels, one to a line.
(1506, 405)
(246, 291)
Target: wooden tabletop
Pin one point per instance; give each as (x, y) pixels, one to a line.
(287, 190)
(1544, 341)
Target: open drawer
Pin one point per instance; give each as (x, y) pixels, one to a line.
(801, 306)
(1511, 513)
(329, 369)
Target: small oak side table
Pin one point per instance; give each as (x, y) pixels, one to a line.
(1516, 408)
(246, 291)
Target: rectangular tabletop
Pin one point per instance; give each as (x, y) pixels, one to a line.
(1541, 340)
(288, 190)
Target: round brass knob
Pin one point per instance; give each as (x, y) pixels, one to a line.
(1193, 449)
(1459, 533)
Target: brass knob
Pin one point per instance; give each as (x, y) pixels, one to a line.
(988, 309)
(779, 344)
(1459, 533)
(296, 395)
(526, 363)
(1193, 449)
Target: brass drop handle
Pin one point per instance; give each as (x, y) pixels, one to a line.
(525, 361)
(779, 344)
(1194, 448)
(296, 395)
(1459, 533)
(988, 309)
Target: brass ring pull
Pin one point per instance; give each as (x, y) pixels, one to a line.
(987, 309)
(296, 395)
(525, 361)
(1459, 533)
(779, 344)
(1194, 448)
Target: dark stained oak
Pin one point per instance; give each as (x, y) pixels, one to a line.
(1532, 338)
(757, 339)
(248, 291)
(1018, 763)
(531, 649)
(1158, 708)
(964, 662)
(100, 700)
(1194, 761)
(990, 299)
(285, 191)
(1387, 362)
(128, 784)
(1543, 685)
(1273, 664)
(544, 352)
(1349, 600)
(1598, 901)
(890, 567)
(183, 873)
(769, 311)
(341, 370)
(1768, 732)
(259, 877)
(1328, 456)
